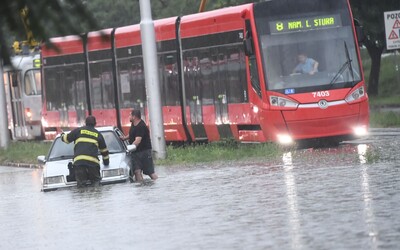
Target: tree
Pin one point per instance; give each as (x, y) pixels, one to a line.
(46, 18)
(370, 14)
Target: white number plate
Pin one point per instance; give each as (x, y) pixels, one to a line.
(321, 94)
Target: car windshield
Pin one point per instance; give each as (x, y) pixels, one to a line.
(61, 150)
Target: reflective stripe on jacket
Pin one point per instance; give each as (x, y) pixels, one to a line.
(88, 141)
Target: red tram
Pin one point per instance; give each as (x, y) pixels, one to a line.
(226, 73)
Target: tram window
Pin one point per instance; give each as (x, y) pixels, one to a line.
(131, 80)
(138, 89)
(204, 78)
(32, 83)
(236, 74)
(169, 78)
(124, 81)
(101, 83)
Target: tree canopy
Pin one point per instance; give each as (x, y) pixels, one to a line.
(370, 14)
(45, 18)
(49, 18)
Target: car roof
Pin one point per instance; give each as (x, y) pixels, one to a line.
(100, 129)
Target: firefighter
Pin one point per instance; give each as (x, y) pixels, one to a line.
(88, 141)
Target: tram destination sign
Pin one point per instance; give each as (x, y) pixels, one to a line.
(392, 29)
(303, 24)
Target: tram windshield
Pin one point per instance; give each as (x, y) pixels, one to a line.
(308, 47)
(33, 85)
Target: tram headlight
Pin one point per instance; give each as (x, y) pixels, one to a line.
(255, 109)
(285, 139)
(277, 101)
(355, 95)
(360, 131)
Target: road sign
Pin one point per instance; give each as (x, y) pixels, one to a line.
(392, 29)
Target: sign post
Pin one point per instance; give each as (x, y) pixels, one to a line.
(392, 30)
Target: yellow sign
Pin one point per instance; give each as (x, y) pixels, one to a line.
(37, 63)
(302, 24)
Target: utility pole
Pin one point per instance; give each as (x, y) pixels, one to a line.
(152, 80)
(4, 136)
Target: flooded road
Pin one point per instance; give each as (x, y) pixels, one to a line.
(334, 198)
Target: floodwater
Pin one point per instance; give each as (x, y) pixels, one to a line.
(333, 198)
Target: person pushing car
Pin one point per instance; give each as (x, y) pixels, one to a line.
(139, 135)
(88, 141)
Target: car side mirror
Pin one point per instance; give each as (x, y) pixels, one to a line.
(41, 159)
(130, 148)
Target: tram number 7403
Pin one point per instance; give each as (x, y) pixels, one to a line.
(321, 94)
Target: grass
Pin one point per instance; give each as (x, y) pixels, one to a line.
(23, 152)
(389, 78)
(27, 152)
(389, 90)
(382, 101)
(384, 119)
(219, 151)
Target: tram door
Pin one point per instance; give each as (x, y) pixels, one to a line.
(197, 71)
(220, 84)
(17, 107)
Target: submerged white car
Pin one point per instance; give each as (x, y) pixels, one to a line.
(58, 171)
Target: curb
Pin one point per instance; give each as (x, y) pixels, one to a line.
(22, 165)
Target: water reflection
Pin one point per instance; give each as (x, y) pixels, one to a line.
(369, 214)
(362, 153)
(330, 198)
(291, 199)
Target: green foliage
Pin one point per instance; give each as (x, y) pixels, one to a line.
(370, 14)
(46, 18)
(384, 119)
(389, 81)
(219, 151)
(117, 13)
(24, 152)
(372, 156)
(389, 101)
(27, 152)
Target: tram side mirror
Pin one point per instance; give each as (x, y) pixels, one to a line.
(359, 32)
(248, 46)
(14, 79)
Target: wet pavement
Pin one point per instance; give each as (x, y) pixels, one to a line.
(334, 198)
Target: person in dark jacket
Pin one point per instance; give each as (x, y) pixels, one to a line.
(88, 141)
(139, 135)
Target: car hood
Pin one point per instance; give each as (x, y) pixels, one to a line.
(54, 168)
